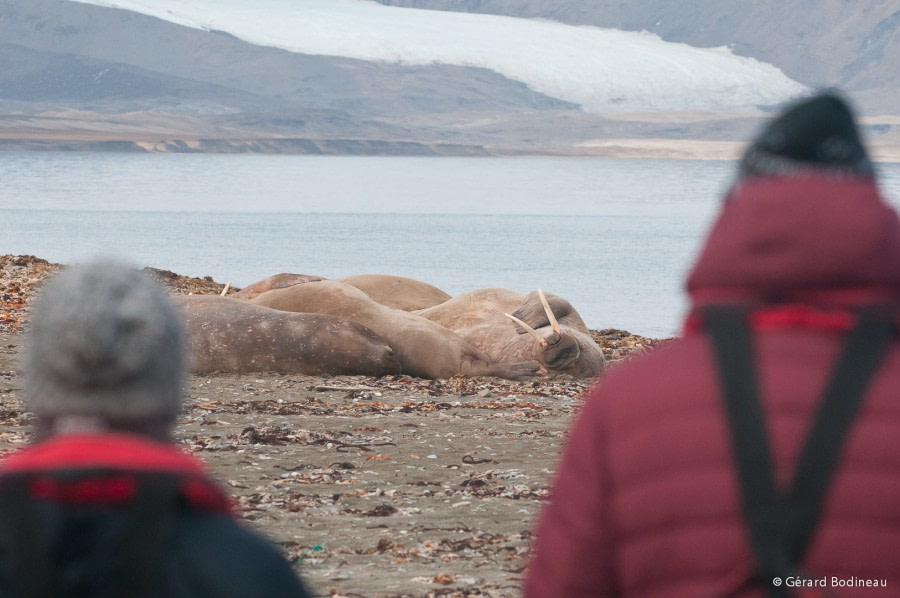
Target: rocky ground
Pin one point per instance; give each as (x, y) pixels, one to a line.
(392, 486)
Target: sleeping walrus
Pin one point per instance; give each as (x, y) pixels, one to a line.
(398, 292)
(425, 349)
(230, 335)
(276, 281)
(549, 329)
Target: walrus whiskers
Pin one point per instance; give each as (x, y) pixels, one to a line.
(526, 327)
(549, 311)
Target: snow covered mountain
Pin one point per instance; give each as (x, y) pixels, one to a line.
(846, 43)
(601, 70)
(366, 76)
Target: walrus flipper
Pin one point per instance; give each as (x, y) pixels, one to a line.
(519, 371)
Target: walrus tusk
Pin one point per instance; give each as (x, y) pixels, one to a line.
(225, 290)
(526, 327)
(549, 311)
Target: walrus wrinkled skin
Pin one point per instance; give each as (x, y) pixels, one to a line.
(276, 281)
(479, 318)
(425, 349)
(235, 336)
(398, 292)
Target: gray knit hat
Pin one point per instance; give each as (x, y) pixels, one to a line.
(106, 343)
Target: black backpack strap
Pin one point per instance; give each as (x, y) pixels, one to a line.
(781, 524)
(730, 332)
(148, 528)
(31, 574)
(863, 352)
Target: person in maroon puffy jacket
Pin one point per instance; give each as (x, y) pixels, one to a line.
(647, 499)
(103, 504)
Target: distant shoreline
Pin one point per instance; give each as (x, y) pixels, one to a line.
(668, 135)
(661, 149)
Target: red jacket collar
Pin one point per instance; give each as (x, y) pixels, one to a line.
(113, 451)
(123, 454)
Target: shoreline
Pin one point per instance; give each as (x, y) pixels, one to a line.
(610, 148)
(672, 134)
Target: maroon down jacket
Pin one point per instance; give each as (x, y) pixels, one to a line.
(646, 502)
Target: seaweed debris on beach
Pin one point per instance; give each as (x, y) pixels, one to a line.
(21, 277)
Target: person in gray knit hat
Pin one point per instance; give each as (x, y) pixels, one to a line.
(105, 351)
(103, 503)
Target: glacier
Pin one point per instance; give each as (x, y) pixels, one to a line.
(602, 70)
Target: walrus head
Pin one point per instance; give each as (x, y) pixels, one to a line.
(559, 349)
(556, 350)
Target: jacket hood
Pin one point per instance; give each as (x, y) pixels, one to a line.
(796, 237)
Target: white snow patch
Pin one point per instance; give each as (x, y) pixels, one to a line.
(603, 70)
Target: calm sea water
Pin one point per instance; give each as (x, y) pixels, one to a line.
(615, 237)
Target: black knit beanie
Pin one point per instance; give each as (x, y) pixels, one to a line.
(818, 133)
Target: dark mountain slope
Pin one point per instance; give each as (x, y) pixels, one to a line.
(71, 43)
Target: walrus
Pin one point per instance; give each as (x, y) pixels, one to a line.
(236, 336)
(398, 292)
(425, 349)
(276, 281)
(549, 329)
